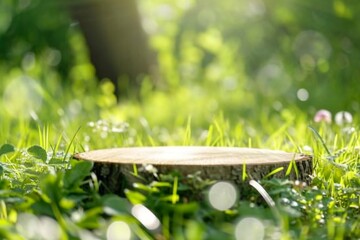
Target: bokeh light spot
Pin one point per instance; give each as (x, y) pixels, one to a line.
(27, 225)
(48, 228)
(272, 76)
(312, 44)
(33, 227)
(249, 228)
(29, 61)
(21, 97)
(302, 94)
(222, 195)
(118, 230)
(53, 57)
(5, 16)
(255, 8)
(145, 216)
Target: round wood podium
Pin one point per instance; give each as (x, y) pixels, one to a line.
(113, 166)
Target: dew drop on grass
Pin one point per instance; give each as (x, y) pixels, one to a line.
(249, 228)
(320, 206)
(22, 97)
(118, 230)
(222, 195)
(294, 204)
(284, 201)
(145, 216)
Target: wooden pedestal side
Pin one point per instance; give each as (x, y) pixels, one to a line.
(114, 167)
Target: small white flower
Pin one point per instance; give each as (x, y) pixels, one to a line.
(348, 130)
(343, 117)
(150, 168)
(307, 149)
(323, 115)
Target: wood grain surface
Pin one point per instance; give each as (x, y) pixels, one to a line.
(190, 156)
(115, 167)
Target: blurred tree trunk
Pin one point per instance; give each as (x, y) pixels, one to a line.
(116, 41)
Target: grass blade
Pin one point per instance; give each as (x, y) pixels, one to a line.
(266, 197)
(70, 144)
(279, 169)
(320, 138)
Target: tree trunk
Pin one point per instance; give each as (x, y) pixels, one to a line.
(116, 41)
(114, 167)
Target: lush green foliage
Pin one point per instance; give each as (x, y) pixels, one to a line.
(39, 188)
(222, 87)
(287, 46)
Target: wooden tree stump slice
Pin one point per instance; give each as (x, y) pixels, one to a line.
(113, 166)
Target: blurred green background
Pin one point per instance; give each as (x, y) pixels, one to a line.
(167, 60)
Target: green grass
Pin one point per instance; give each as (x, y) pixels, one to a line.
(45, 194)
(227, 80)
(42, 186)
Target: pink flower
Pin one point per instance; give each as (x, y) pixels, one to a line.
(343, 117)
(323, 115)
